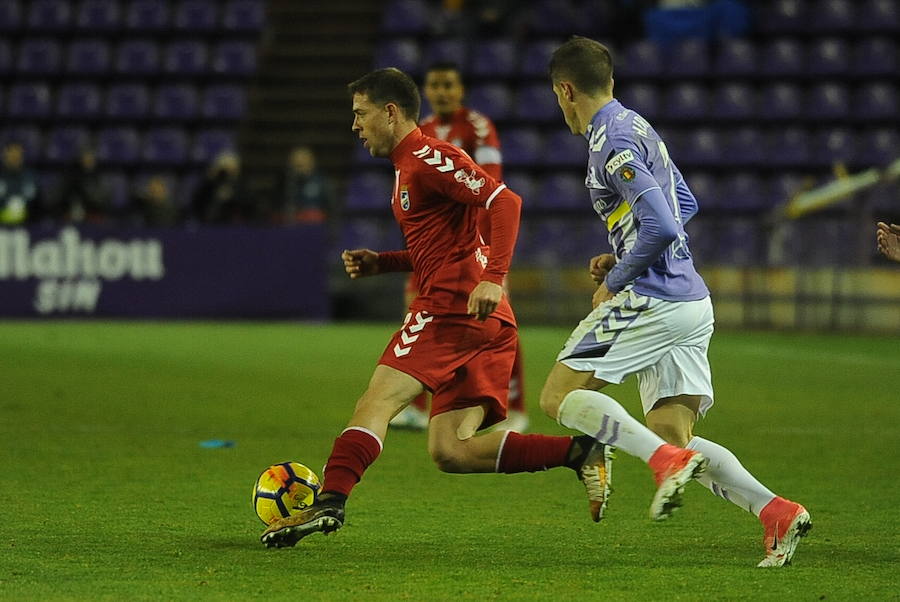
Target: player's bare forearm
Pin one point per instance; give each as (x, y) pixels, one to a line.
(484, 299)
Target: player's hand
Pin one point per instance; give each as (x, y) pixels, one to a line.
(360, 262)
(601, 265)
(888, 240)
(484, 299)
(600, 295)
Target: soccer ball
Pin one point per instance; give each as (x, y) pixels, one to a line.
(284, 489)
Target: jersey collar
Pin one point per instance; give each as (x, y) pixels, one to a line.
(412, 142)
(610, 107)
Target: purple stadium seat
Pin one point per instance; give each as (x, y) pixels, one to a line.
(537, 102)
(98, 15)
(28, 101)
(833, 16)
(553, 17)
(63, 143)
(563, 191)
(876, 101)
(783, 17)
(38, 56)
(701, 146)
(829, 56)
(563, 149)
(244, 15)
(10, 16)
(879, 15)
(735, 100)
(783, 57)
(705, 188)
(522, 184)
(401, 53)
(209, 144)
(687, 101)
(28, 136)
(878, 146)
(557, 240)
(876, 56)
(185, 57)
(536, 57)
(6, 57)
(494, 58)
(521, 146)
(127, 101)
(689, 58)
(234, 58)
(165, 146)
(744, 147)
(406, 16)
(494, 100)
(828, 101)
(452, 50)
(223, 102)
(195, 16)
(175, 102)
(116, 183)
(137, 57)
(49, 15)
(738, 242)
(147, 15)
(364, 233)
(789, 146)
(642, 98)
(781, 101)
(88, 57)
(736, 57)
(641, 59)
(743, 191)
(370, 190)
(834, 145)
(78, 101)
(784, 186)
(118, 146)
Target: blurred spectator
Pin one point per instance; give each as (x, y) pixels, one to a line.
(219, 197)
(82, 196)
(304, 195)
(18, 186)
(152, 203)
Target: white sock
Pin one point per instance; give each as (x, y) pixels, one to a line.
(601, 417)
(727, 478)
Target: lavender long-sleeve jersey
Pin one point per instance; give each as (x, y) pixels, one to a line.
(643, 198)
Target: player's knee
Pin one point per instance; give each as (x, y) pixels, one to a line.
(551, 398)
(448, 459)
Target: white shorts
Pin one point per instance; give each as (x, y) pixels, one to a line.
(663, 342)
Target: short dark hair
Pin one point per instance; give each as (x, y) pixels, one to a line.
(389, 85)
(584, 62)
(445, 66)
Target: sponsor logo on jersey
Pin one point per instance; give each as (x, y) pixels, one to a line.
(404, 198)
(619, 160)
(471, 180)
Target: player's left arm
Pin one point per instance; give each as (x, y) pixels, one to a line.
(687, 202)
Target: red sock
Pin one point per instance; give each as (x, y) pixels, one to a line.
(531, 453)
(420, 401)
(516, 397)
(354, 450)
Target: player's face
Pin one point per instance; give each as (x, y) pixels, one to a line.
(444, 91)
(568, 108)
(372, 124)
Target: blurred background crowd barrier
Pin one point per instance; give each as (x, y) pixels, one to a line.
(192, 117)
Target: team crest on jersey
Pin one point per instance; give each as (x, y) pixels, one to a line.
(404, 198)
(471, 180)
(626, 174)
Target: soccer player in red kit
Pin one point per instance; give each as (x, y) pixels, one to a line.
(459, 338)
(476, 135)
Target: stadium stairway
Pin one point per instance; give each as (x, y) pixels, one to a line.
(311, 50)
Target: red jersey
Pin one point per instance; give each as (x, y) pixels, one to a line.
(438, 193)
(472, 132)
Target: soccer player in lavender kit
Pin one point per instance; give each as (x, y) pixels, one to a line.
(459, 339)
(652, 314)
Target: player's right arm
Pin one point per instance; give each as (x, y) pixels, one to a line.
(687, 202)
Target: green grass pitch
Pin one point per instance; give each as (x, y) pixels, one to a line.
(106, 494)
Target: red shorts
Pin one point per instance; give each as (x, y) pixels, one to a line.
(462, 361)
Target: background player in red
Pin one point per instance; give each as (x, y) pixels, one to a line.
(474, 133)
(458, 339)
